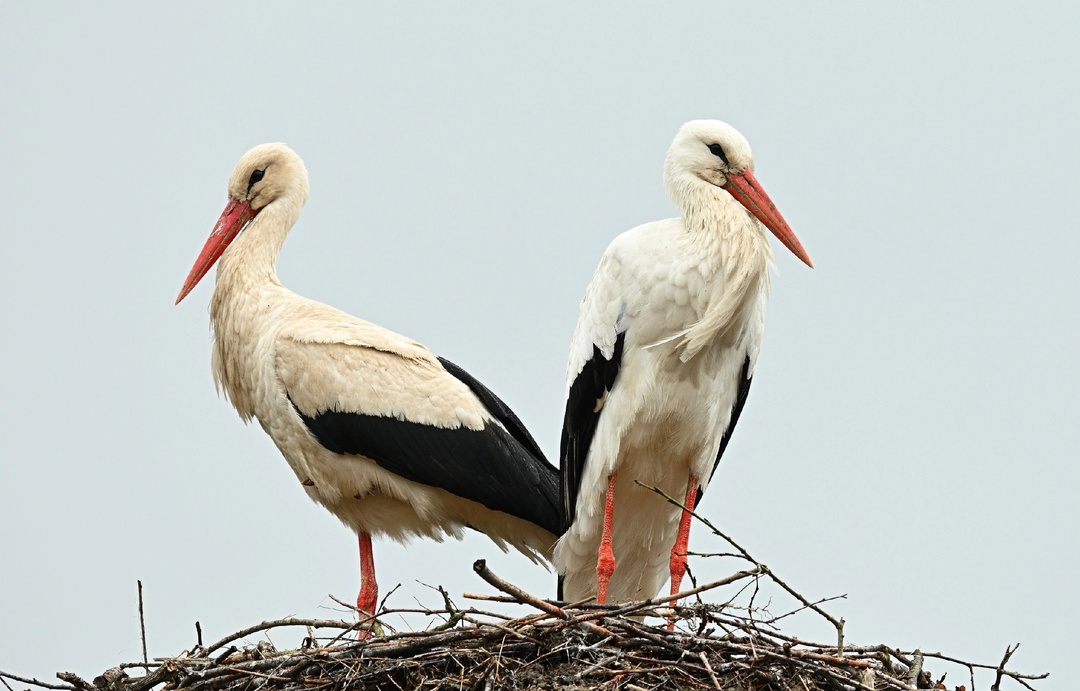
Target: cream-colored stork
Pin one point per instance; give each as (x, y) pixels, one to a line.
(660, 365)
(390, 438)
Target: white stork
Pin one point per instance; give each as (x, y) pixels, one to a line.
(660, 365)
(390, 438)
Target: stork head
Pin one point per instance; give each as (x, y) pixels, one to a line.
(267, 174)
(714, 153)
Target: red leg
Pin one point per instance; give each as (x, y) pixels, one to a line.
(677, 564)
(605, 557)
(369, 588)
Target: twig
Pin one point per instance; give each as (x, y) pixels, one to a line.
(75, 680)
(36, 682)
(714, 554)
(643, 632)
(142, 624)
(975, 665)
(455, 615)
(346, 605)
(601, 664)
(632, 607)
(223, 656)
(484, 597)
(480, 567)
(152, 679)
(317, 623)
(708, 667)
(803, 608)
(1001, 666)
(253, 673)
(912, 676)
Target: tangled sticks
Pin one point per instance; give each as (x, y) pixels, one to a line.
(733, 645)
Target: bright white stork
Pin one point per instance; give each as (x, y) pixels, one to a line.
(390, 438)
(660, 365)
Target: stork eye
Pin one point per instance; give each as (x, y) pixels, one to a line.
(718, 151)
(255, 177)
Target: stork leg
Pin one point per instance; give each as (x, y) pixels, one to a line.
(605, 557)
(369, 588)
(677, 564)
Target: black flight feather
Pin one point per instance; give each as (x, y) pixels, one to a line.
(498, 409)
(500, 469)
(736, 411)
(582, 415)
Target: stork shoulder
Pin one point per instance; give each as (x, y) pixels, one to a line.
(601, 312)
(315, 322)
(354, 366)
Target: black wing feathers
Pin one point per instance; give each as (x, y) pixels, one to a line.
(489, 466)
(579, 423)
(498, 409)
(736, 411)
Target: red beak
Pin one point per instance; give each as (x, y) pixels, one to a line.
(232, 220)
(748, 192)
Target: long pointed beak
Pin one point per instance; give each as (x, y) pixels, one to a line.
(232, 220)
(748, 192)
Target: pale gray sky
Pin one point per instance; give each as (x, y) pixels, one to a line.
(911, 436)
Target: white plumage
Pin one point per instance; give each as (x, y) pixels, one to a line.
(667, 339)
(391, 439)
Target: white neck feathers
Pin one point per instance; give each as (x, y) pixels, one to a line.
(734, 243)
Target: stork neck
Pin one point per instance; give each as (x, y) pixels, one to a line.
(711, 217)
(252, 257)
(725, 239)
(722, 233)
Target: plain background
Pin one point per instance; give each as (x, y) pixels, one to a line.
(911, 437)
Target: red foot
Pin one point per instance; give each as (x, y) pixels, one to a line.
(677, 563)
(605, 557)
(368, 598)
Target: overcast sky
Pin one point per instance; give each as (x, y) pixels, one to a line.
(911, 437)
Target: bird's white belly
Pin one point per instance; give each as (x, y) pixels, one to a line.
(368, 498)
(655, 434)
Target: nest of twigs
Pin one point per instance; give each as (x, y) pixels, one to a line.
(728, 646)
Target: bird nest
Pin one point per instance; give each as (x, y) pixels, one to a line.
(715, 646)
(735, 644)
